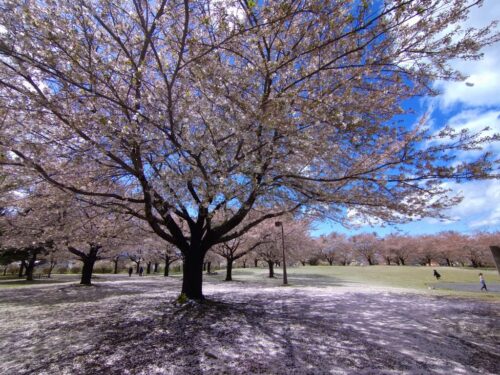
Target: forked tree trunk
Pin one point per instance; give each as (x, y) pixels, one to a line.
(270, 264)
(193, 275)
(88, 260)
(244, 263)
(156, 265)
(402, 261)
(51, 268)
(256, 263)
(229, 270)
(148, 268)
(88, 268)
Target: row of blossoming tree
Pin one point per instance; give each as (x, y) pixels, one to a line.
(187, 115)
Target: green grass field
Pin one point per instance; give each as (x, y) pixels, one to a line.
(410, 277)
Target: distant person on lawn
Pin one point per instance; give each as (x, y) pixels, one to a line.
(130, 270)
(482, 282)
(437, 275)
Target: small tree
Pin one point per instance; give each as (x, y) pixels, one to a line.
(367, 246)
(170, 256)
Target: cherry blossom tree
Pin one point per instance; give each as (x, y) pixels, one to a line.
(31, 226)
(400, 248)
(367, 246)
(197, 106)
(299, 245)
(336, 247)
(170, 256)
(476, 249)
(427, 250)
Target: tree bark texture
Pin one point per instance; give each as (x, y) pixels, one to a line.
(193, 275)
(271, 268)
(30, 267)
(88, 267)
(229, 270)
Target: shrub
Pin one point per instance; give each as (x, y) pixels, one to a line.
(314, 261)
(102, 268)
(62, 269)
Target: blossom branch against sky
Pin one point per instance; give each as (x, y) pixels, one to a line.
(474, 104)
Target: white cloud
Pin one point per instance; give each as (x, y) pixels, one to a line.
(476, 120)
(481, 88)
(480, 208)
(232, 8)
(357, 219)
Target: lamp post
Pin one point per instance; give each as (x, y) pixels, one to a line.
(280, 224)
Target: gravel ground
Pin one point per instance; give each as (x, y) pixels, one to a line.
(132, 326)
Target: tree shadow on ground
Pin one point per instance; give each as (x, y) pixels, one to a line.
(285, 331)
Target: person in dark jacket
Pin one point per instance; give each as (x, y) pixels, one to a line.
(437, 275)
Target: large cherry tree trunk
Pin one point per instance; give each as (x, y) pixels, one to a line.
(270, 264)
(193, 274)
(30, 267)
(115, 265)
(88, 268)
(229, 269)
(88, 260)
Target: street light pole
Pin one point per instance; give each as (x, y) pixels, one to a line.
(280, 224)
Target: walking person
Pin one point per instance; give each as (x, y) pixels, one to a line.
(130, 270)
(437, 275)
(141, 271)
(482, 282)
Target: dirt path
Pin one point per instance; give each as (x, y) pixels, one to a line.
(132, 327)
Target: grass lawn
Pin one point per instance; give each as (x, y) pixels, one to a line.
(409, 277)
(335, 320)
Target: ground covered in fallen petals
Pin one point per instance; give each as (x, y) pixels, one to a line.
(127, 325)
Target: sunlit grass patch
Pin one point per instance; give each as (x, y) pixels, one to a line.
(410, 277)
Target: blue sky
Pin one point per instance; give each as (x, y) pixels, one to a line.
(474, 104)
